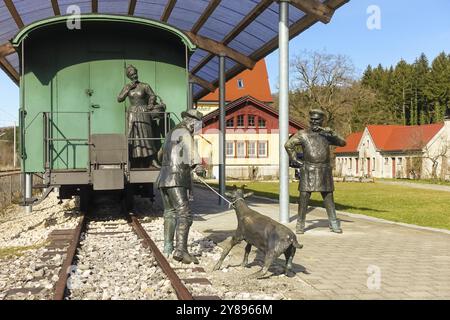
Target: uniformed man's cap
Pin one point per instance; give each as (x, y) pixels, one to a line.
(192, 113)
(316, 114)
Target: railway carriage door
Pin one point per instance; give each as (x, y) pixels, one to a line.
(106, 81)
(69, 120)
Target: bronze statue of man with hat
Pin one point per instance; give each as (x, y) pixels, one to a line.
(315, 168)
(175, 181)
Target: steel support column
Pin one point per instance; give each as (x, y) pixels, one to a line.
(28, 190)
(191, 95)
(283, 30)
(222, 129)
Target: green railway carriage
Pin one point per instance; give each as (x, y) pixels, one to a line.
(73, 129)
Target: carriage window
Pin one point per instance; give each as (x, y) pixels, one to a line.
(240, 83)
(261, 123)
(230, 123)
(240, 121)
(251, 121)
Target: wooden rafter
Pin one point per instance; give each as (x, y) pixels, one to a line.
(168, 10)
(131, 7)
(249, 18)
(213, 4)
(56, 9)
(9, 70)
(6, 49)
(13, 11)
(94, 6)
(314, 8)
(217, 48)
(297, 28)
(202, 82)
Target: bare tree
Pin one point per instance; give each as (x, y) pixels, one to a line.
(437, 156)
(322, 78)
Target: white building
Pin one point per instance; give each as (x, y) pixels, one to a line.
(393, 151)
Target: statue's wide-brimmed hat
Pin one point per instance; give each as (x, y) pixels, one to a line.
(316, 114)
(192, 113)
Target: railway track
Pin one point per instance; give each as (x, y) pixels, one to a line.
(92, 264)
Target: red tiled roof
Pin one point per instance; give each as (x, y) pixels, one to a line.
(398, 138)
(256, 84)
(394, 137)
(352, 143)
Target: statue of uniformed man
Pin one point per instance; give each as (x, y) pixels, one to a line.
(174, 181)
(315, 168)
(142, 99)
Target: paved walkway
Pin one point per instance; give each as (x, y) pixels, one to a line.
(370, 260)
(417, 185)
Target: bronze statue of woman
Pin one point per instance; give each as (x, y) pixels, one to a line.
(142, 99)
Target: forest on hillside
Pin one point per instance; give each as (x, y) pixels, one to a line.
(407, 93)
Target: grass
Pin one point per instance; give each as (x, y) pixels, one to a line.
(427, 208)
(11, 252)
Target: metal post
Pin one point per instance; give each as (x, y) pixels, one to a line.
(28, 189)
(283, 30)
(222, 132)
(191, 95)
(14, 146)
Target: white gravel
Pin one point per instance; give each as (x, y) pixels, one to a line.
(22, 247)
(116, 266)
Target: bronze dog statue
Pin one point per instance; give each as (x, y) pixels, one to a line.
(260, 231)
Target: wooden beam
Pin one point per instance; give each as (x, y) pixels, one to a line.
(55, 6)
(6, 49)
(213, 4)
(217, 48)
(13, 11)
(297, 28)
(9, 70)
(249, 18)
(168, 10)
(315, 8)
(202, 82)
(131, 7)
(94, 6)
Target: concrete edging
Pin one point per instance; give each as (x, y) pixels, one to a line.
(357, 215)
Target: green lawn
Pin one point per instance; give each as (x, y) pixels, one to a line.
(396, 203)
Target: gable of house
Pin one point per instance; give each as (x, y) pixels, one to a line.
(244, 108)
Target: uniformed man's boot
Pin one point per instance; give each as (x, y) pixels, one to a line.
(334, 223)
(181, 252)
(169, 232)
(300, 227)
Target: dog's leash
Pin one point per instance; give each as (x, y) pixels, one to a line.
(231, 204)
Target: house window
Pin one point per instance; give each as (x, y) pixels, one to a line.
(230, 149)
(251, 121)
(261, 123)
(240, 149)
(240, 121)
(350, 164)
(251, 149)
(400, 161)
(262, 149)
(240, 83)
(230, 123)
(386, 161)
(373, 165)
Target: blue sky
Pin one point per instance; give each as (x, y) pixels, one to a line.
(408, 28)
